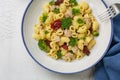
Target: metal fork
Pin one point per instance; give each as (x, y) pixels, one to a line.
(111, 12)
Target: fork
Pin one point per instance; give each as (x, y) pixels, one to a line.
(111, 12)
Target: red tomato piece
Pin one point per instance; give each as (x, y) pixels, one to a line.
(86, 50)
(56, 25)
(47, 42)
(65, 46)
(58, 2)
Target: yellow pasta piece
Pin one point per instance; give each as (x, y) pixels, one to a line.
(59, 16)
(68, 57)
(36, 28)
(66, 2)
(88, 11)
(95, 26)
(63, 8)
(74, 35)
(69, 48)
(91, 44)
(72, 28)
(86, 16)
(48, 28)
(84, 5)
(81, 36)
(49, 20)
(89, 38)
(42, 34)
(64, 40)
(52, 15)
(63, 51)
(59, 32)
(82, 29)
(75, 21)
(54, 46)
(52, 54)
(88, 32)
(53, 36)
(79, 54)
(92, 17)
(46, 7)
(36, 36)
(48, 36)
(80, 44)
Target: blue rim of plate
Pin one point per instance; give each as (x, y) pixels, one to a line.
(57, 71)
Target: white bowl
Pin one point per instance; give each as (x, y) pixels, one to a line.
(30, 17)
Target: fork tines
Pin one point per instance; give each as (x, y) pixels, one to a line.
(110, 12)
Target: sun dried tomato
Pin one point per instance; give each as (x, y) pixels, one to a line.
(65, 46)
(47, 42)
(58, 2)
(86, 50)
(56, 25)
(91, 29)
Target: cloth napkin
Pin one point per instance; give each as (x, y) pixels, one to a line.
(109, 67)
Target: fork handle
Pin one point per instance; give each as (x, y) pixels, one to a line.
(118, 6)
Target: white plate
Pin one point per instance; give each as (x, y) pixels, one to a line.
(30, 17)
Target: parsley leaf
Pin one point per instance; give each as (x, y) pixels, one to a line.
(52, 2)
(73, 41)
(43, 17)
(59, 54)
(75, 11)
(66, 23)
(73, 2)
(56, 10)
(43, 46)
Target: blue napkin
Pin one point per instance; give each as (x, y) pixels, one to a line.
(109, 67)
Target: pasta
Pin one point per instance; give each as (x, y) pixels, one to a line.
(63, 8)
(59, 16)
(46, 7)
(66, 30)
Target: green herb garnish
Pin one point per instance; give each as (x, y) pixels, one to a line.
(66, 23)
(73, 41)
(56, 10)
(75, 11)
(73, 2)
(46, 32)
(43, 17)
(96, 34)
(59, 54)
(43, 46)
(52, 2)
(80, 22)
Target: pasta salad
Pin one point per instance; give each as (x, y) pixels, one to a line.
(66, 29)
